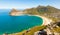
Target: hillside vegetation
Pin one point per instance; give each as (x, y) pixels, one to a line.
(48, 11)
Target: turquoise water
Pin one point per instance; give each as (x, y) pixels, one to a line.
(14, 24)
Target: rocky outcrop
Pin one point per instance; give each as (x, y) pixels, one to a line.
(15, 12)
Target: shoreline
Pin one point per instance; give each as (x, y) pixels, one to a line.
(46, 21)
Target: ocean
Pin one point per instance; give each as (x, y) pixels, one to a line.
(13, 24)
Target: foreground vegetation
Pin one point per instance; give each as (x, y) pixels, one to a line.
(31, 32)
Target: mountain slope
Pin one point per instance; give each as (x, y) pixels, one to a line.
(48, 11)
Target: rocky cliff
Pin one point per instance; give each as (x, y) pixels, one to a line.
(15, 12)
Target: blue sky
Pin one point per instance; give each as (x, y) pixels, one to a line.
(23, 4)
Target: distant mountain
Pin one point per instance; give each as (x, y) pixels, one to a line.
(38, 10)
(47, 11)
(15, 12)
(42, 9)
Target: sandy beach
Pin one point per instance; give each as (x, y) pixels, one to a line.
(46, 20)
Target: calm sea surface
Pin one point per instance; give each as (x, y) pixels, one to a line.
(14, 24)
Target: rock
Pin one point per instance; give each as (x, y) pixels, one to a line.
(15, 12)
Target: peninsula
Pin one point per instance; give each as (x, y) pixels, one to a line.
(15, 12)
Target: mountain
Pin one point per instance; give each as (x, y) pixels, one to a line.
(42, 9)
(48, 11)
(15, 12)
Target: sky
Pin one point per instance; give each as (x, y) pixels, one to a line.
(23, 4)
